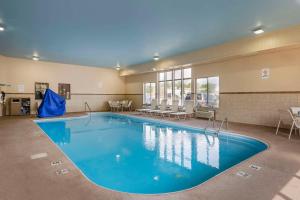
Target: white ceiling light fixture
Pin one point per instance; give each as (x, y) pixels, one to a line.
(2, 28)
(156, 57)
(258, 31)
(35, 58)
(118, 67)
(154, 69)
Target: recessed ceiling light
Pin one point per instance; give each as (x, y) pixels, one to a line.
(156, 57)
(2, 28)
(35, 58)
(258, 31)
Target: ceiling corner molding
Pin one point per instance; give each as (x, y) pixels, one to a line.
(273, 41)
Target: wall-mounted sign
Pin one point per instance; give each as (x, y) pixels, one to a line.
(21, 88)
(64, 90)
(265, 73)
(40, 89)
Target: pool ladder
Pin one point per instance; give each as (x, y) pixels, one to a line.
(225, 120)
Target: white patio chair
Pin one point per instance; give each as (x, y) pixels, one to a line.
(295, 123)
(110, 105)
(127, 106)
(116, 105)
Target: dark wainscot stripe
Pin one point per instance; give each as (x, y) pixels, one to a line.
(266, 92)
(24, 93)
(82, 94)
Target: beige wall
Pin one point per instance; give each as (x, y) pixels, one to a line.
(285, 38)
(91, 84)
(244, 74)
(245, 97)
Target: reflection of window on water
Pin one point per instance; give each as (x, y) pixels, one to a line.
(208, 150)
(176, 147)
(149, 137)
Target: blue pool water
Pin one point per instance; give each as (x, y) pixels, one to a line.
(134, 155)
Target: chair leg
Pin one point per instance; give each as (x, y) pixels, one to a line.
(278, 126)
(291, 130)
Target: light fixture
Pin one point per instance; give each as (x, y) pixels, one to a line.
(154, 69)
(258, 31)
(118, 67)
(2, 28)
(156, 57)
(35, 58)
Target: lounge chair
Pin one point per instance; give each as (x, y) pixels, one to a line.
(152, 107)
(174, 109)
(189, 110)
(163, 107)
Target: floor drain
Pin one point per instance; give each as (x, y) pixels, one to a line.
(38, 156)
(62, 171)
(255, 167)
(55, 163)
(243, 174)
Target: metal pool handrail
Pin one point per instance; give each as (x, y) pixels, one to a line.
(86, 105)
(220, 127)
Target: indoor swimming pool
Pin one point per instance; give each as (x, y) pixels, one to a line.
(146, 156)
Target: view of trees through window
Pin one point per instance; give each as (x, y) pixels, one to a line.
(148, 92)
(175, 84)
(207, 91)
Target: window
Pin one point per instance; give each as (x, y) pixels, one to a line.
(148, 92)
(166, 86)
(178, 85)
(175, 84)
(187, 88)
(207, 91)
(161, 91)
(187, 84)
(169, 92)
